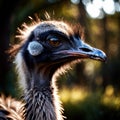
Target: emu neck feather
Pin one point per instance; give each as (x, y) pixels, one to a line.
(39, 105)
(41, 99)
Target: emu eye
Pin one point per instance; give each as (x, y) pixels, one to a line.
(54, 41)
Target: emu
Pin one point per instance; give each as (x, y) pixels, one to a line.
(45, 47)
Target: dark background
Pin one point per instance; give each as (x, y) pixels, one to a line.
(91, 91)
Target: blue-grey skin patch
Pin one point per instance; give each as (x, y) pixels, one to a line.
(35, 48)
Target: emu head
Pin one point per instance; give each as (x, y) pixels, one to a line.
(50, 45)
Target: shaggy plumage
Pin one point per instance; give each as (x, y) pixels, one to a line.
(44, 48)
(10, 109)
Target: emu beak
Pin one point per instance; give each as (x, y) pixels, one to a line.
(83, 50)
(86, 51)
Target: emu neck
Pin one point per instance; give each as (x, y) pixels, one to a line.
(41, 98)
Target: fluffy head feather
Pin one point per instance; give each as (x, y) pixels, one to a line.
(37, 25)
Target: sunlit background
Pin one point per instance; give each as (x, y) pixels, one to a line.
(91, 90)
(98, 8)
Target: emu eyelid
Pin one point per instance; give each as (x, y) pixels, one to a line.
(54, 41)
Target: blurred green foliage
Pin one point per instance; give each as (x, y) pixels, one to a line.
(84, 104)
(97, 78)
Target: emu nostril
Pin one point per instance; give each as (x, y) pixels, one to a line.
(85, 49)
